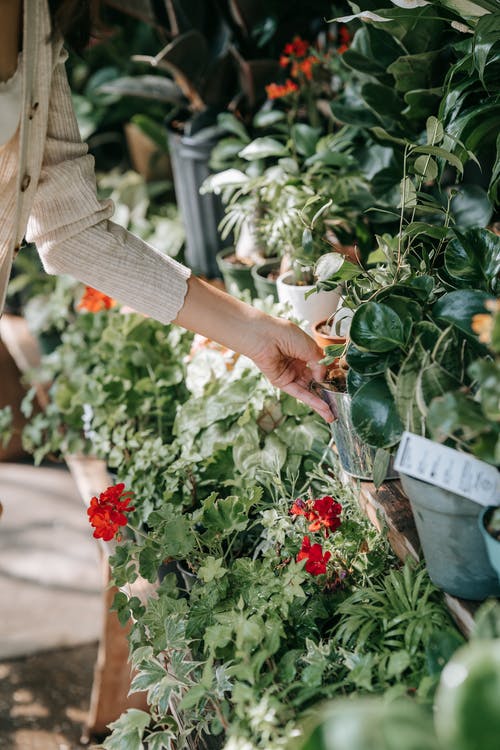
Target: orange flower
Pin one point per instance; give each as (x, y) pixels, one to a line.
(276, 90)
(306, 66)
(482, 323)
(95, 301)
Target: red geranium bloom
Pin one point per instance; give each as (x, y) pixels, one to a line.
(275, 90)
(316, 558)
(327, 514)
(323, 513)
(95, 301)
(107, 512)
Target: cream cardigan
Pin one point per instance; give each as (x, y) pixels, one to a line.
(48, 193)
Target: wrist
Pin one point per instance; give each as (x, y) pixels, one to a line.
(221, 317)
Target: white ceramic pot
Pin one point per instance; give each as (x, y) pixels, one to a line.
(318, 306)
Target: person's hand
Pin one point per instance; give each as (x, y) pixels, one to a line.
(289, 358)
(279, 348)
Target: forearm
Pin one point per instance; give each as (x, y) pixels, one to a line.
(220, 317)
(10, 30)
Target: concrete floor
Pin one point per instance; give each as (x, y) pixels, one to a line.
(50, 579)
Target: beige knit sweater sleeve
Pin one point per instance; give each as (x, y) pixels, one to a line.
(73, 232)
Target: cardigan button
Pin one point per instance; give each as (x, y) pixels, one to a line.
(25, 183)
(16, 249)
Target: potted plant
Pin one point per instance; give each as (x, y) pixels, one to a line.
(489, 525)
(469, 421)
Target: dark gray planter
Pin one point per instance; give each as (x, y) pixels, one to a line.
(452, 544)
(201, 214)
(237, 276)
(265, 287)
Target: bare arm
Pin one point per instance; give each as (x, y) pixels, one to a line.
(282, 351)
(10, 32)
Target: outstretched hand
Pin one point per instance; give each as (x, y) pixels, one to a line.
(289, 358)
(279, 348)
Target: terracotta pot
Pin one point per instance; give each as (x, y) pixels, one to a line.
(322, 339)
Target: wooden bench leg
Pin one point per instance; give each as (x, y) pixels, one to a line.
(112, 674)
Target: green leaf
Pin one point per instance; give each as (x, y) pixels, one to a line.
(354, 114)
(421, 102)
(305, 138)
(471, 206)
(459, 307)
(486, 41)
(374, 414)
(426, 167)
(442, 153)
(231, 123)
(128, 731)
(454, 414)
(382, 99)
(368, 363)
(434, 130)
(472, 258)
(376, 327)
(414, 71)
(212, 569)
(408, 194)
(380, 466)
(261, 148)
(469, 8)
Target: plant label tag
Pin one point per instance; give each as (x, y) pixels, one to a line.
(449, 469)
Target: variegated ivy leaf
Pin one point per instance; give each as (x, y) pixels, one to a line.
(328, 265)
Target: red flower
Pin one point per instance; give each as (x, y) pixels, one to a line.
(298, 47)
(326, 514)
(316, 558)
(344, 39)
(107, 512)
(275, 90)
(95, 301)
(323, 513)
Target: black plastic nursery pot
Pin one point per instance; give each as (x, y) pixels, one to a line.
(237, 275)
(262, 274)
(201, 214)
